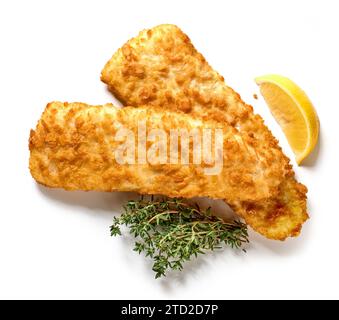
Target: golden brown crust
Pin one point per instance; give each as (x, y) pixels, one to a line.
(160, 67)
(73, 147)
(279, 217)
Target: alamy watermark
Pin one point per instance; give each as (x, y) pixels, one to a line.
(202, 146)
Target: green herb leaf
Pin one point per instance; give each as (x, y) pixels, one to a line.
(171, 231)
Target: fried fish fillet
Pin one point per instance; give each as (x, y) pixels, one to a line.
(75, 147)
(161, 67)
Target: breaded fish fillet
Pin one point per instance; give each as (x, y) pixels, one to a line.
(74, 147)
(161, 67)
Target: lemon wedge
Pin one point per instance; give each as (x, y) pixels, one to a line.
(294, 112)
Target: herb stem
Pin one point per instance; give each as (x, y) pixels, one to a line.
(171, 231)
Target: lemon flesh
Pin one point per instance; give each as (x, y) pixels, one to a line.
(293, 111)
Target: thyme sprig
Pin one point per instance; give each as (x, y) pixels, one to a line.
(171, 231)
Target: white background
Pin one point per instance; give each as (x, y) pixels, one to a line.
(55, 244)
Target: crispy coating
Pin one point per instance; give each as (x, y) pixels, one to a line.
(74, 147)
(161, 67)
(278, 217)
